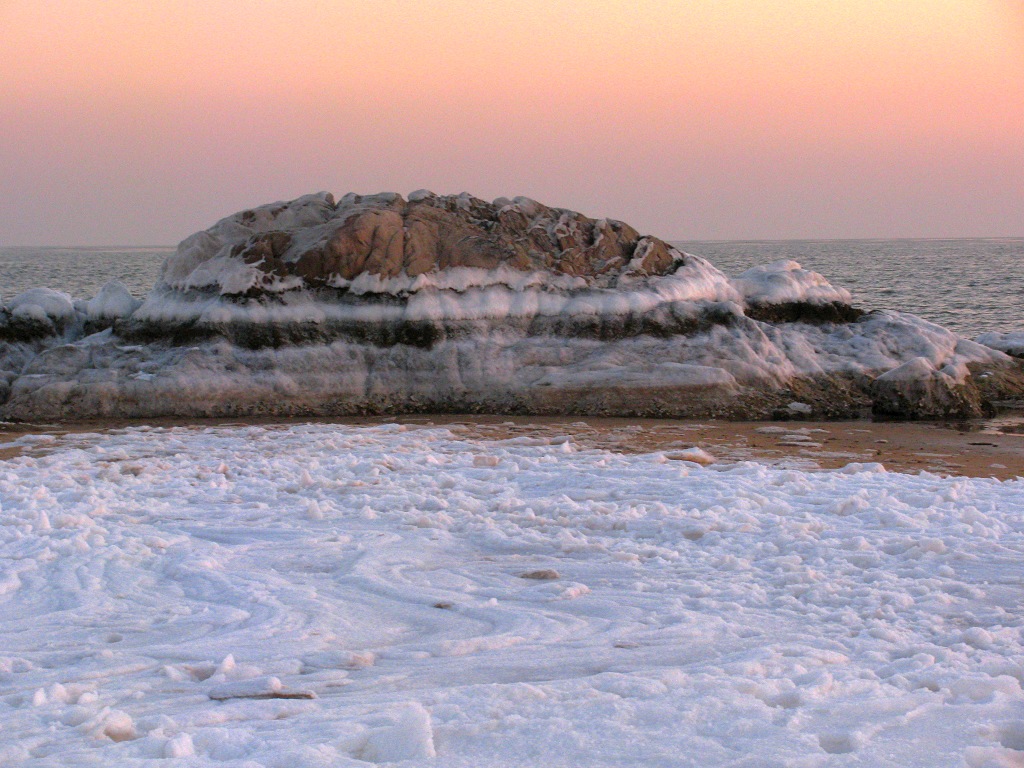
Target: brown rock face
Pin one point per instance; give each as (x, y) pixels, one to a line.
(387, 236)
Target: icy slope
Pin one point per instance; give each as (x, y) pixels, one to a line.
(162, 587)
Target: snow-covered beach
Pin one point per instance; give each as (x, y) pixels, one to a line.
(456, 384)
(471, 602)
(474, 592)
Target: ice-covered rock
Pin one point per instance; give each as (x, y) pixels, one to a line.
(385, 270)
(387, 242)
(1012, 343)
(42, 304)
(917, 390)
(111, 303)
(785, 291)
(37, 313)
(381, 304)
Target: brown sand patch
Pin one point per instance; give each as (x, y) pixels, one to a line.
(975, 450)
(993, 448)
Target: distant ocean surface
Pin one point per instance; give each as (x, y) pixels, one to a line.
(970, 286)
(79, 271)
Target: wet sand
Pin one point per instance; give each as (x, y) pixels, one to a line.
(993, 448)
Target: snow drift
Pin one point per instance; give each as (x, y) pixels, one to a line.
(379, 303)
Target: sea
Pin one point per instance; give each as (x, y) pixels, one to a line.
(969, 285)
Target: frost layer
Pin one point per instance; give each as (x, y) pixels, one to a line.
(723, 616)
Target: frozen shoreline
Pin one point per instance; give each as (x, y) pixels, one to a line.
(989, 448)
(155, 579)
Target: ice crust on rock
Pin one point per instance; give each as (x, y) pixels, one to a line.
(783, 291)
(43, 304)
(918, 389)
(39, 313)
(1012, 342)
(786, 282)
(747, 369)
(376, 303)
(111, 303)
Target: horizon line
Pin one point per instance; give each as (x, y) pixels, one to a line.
(670, 240)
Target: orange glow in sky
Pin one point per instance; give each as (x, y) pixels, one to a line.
(131, 122)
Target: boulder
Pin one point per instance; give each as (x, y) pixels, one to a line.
(37, 313)
(917, 390)
(448, 303)
(313, 242)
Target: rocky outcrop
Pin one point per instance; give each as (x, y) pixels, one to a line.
(36, 314)
(381, 304)
(314, 242)
(785, 292)
(916, 390)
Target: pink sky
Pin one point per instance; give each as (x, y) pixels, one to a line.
(138, 123)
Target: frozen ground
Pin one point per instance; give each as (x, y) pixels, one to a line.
(156, 583)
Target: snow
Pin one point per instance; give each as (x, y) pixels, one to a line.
(732, 615)
(782, 282)
(1011, 342)
(113, 301)
(42, 304)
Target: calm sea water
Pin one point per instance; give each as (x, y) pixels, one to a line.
(970, 286)
(79, 271)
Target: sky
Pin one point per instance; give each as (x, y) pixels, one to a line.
(138, 123)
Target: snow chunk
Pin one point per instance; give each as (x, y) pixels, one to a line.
(410, 738)
(113, 301)
(117, 726)
(784, 282)
(695, 454)
(42, 304)
(179, 746)
(1011, 343)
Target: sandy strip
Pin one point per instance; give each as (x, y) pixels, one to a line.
(993, 448)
